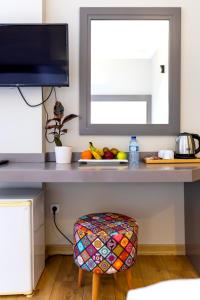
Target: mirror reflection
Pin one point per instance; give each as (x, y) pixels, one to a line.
(129, 72)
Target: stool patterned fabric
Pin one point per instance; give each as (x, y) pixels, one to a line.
(105, 242)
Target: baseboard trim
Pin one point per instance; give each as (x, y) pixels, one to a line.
(58, 250)
(144, 249)
(160, 249)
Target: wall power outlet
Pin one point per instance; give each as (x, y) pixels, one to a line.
(54, 205)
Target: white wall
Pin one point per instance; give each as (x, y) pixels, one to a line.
(158, 207)
(16, 11)
(21, 126)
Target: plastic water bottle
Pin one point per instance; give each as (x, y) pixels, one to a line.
(134, 152)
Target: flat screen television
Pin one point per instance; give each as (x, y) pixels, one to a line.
(34, 55)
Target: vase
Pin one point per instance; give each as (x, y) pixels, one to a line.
(63, 154)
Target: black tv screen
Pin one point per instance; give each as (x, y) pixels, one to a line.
(34, 55)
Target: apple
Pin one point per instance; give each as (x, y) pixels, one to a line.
(114, 151)
(121, 155)
(106, 149)
(108, 155)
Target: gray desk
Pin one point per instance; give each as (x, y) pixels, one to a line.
(188, 174)
(52, 172)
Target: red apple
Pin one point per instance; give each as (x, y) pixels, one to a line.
(108, 155)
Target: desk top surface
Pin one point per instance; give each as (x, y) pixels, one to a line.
(52, 172)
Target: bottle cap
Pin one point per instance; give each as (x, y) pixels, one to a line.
(133, 137)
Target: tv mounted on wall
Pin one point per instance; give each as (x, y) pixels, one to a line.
(34, 55)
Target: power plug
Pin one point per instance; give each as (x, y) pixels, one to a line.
(54, 208)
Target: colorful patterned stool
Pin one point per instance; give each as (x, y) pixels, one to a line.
(105, 243)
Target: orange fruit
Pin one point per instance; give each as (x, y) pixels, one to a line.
(86, 154)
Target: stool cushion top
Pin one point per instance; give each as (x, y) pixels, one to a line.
(105, 242)
(110, 223)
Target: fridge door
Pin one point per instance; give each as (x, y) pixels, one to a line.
(39, 254)
(38, 211)
(38, 238)
(15, 247)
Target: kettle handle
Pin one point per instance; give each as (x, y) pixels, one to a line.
(197, 137)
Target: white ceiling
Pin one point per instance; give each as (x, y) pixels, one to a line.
(128, 39)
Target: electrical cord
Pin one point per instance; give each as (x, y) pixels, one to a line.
(47, 118)
(44, 100)
(35, 105)
(55, 94)
(47, 115)
(45, 133)
(54, 220)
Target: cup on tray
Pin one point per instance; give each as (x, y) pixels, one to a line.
(166, 154)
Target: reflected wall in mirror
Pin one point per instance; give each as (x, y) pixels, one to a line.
(130, 71)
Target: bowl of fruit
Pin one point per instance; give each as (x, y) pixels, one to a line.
(96, 155)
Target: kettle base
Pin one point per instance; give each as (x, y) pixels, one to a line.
(184, 156)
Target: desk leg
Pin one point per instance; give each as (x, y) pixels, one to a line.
(192, 222)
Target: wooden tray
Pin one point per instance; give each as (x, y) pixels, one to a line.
(150, 160)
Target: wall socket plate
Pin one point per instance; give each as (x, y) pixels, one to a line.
(51, 208)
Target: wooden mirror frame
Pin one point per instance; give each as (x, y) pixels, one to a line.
(173, 14)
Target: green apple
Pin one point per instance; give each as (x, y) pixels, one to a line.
(121, 155)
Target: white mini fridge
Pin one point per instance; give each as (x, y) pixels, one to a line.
(22, 240)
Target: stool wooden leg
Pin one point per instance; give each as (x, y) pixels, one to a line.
(80, 277)
(95, 286)
(129, 278)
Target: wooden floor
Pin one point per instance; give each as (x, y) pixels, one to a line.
(59, 280)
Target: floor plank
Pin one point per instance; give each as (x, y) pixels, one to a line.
(179, 267)
(59, 280)
(65, 286)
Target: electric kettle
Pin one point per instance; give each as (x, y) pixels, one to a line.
(186, 146)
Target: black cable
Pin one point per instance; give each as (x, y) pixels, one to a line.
(46, 131)
(46, 112)
(47, 118)
(54, 220)
(35, 105)
(55, 94)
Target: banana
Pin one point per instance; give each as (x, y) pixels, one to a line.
(94, 151)
(100, 152)
(91, 147)
(96, 155)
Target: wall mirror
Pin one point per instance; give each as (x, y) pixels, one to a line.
(130, 71)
